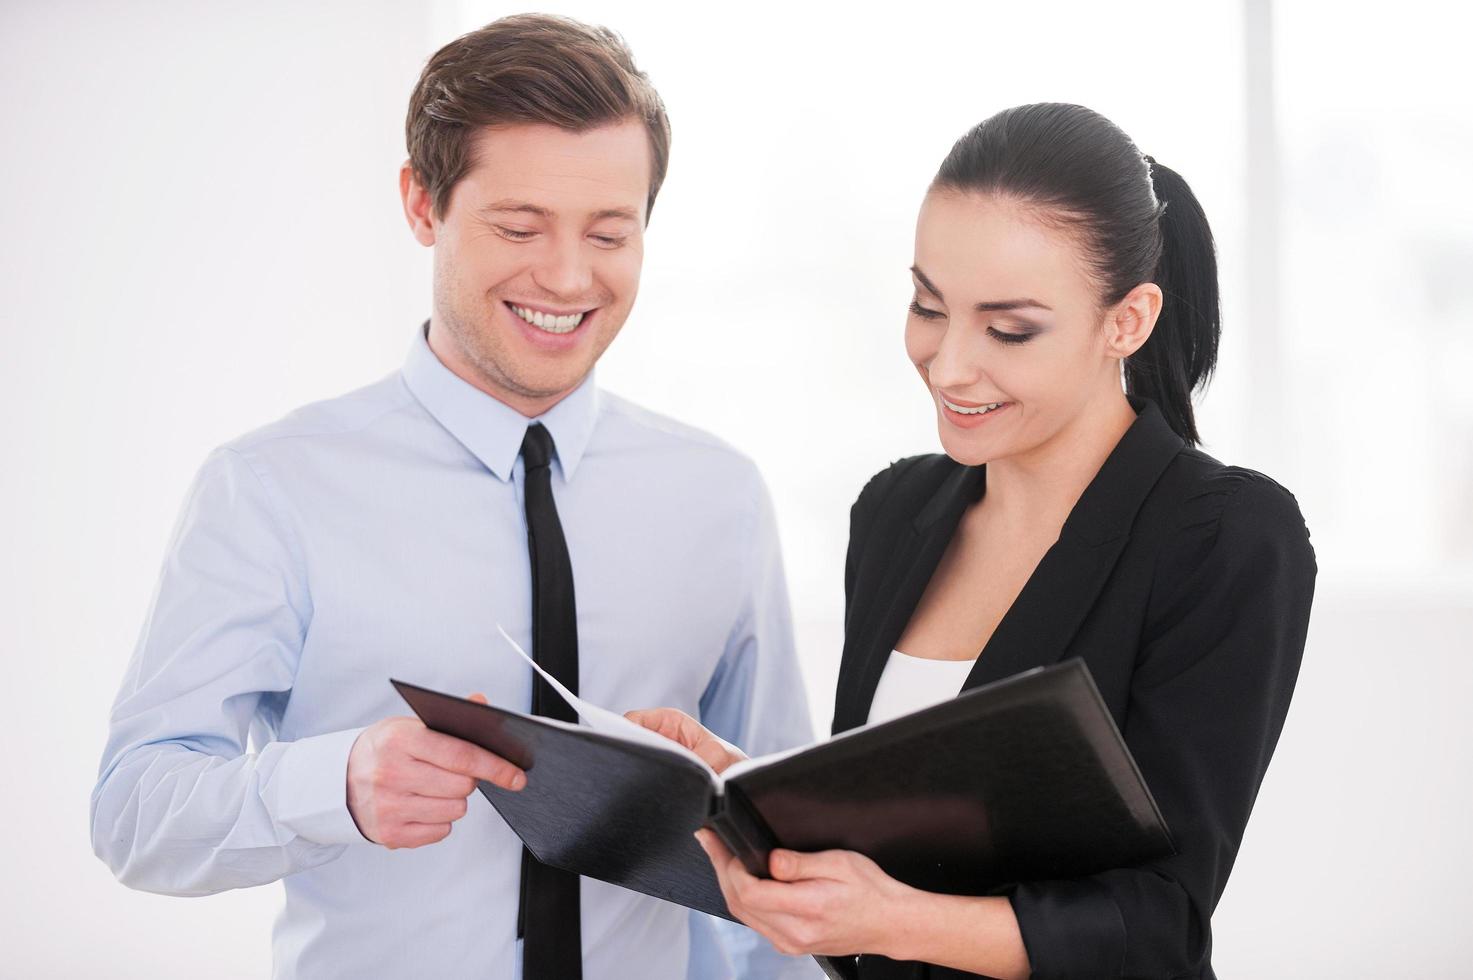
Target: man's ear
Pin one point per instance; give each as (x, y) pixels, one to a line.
(418, 206)
(1132, 320)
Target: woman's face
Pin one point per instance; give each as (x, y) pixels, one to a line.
(1005, 328)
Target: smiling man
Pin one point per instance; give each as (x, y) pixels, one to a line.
(388, 532)
(538, 250)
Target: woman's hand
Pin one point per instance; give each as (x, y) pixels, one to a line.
(828, 903)
(681, 727)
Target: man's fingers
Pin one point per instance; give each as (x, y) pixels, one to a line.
(672, 723)
(478, 697)
(420, 834)
(427, 780)
(714, 754)
(457, 755)
(434, 810)
(661, 721)
(680, 727)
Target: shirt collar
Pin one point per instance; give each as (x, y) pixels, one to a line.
(493, 430)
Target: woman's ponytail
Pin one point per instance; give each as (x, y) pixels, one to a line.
(1182, 350)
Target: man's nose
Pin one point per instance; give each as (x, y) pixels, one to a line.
(565, 270)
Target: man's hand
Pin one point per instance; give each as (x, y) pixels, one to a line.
(407, 784)
(681, 727)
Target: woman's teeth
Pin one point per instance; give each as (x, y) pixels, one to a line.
(546, 321)
(979, 410)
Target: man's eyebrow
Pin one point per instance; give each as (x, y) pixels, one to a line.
(511, 206)
(991, 306)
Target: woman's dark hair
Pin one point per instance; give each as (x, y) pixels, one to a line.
(1138, 221)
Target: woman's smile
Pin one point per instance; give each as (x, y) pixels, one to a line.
(969, 415)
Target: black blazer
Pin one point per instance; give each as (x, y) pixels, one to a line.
(1185, 585)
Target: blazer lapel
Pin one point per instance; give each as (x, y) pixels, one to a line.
(1038, 628)
(874, 634)
(1048, 612)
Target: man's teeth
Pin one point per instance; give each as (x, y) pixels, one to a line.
(546, 321)
(979, 410)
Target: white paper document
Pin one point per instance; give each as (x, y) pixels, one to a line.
(611, 723)
(604, 721)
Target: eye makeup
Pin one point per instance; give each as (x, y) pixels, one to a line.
(1008, 337)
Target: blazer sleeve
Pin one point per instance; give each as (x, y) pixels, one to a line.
(865, 512)
(1219, 657)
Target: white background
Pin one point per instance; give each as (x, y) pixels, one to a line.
(201, 231)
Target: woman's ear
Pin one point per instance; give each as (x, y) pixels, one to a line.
(1130, 323)
(418, 206)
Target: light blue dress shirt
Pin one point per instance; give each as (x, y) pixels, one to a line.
(382, 534)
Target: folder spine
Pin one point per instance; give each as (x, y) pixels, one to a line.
(742, 829)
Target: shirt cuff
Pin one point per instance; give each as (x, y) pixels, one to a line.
(307, 793)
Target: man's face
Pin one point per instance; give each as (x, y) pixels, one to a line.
(537, 256)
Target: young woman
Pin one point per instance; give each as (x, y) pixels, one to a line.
(1071, 516)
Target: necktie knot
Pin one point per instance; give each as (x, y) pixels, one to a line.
(537, 447)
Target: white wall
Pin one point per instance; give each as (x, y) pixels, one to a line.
(201, 231)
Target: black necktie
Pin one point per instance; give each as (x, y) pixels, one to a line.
(549, 921)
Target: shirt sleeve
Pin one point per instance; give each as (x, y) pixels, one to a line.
(1208, 699)
(181, 807)
(757, 701)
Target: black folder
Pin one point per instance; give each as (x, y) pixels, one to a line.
(1023, 779)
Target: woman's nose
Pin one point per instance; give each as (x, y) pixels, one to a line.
(955, 365)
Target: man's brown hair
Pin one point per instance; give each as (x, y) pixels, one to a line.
(527, 68)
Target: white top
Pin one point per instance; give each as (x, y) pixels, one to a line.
(912, 683)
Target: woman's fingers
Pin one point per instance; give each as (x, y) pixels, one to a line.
(785, 865)
(746, 895)
(714, 847)
(721, 861)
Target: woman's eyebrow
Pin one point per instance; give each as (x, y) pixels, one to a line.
(991, 306)
(1009, 304)
(915, 270)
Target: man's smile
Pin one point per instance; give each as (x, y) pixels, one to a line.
(548, 320)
